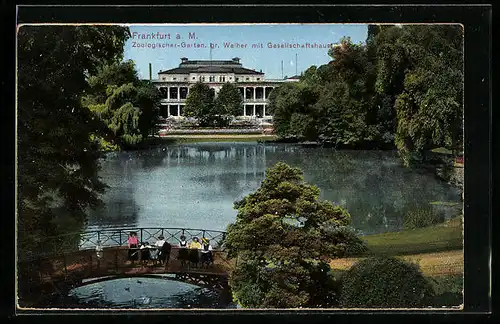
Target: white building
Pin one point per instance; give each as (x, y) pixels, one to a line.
(174, 85)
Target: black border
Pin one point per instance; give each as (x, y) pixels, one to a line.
(476, 19)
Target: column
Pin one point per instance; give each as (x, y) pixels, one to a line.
(264, 110)
(254, 110)
(178, 110)
(244, 93)
(244, 110)
(253, 95)
(168, 93)
(178, 93)
(168, 110)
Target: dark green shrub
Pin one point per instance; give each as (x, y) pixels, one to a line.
(422, 217)
(448, 290)
(385, 282)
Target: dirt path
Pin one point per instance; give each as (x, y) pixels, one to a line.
(431, 264)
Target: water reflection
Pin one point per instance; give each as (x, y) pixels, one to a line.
(195, 185)
(148, 293)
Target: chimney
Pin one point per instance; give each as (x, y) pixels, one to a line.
(184, 59)
(150, 73)
(236, 59)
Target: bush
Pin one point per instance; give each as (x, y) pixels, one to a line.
(385, 282)
(448, 290)
(422, 217)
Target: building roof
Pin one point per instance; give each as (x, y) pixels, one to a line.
(204, 66)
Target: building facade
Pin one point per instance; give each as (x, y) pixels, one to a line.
(174, 85)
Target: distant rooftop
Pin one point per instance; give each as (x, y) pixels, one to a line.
(215, 66)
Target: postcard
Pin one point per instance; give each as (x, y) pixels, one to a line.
(240, 166)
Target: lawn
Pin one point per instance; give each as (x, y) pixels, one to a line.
(438, 249)
(432, 264)
(442, 237)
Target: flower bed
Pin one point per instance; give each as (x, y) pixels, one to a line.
(211, 131)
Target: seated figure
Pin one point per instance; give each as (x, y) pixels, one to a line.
(164, 253)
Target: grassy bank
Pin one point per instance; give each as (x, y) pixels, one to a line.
(437, 238)
(438, 249)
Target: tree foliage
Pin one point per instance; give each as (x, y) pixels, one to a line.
(200, 104)
(57, 159)
(281, 240)
(289, 104)
(229, 102)
(212, 110)
(127, 105)
(430, 107)
(402, 87)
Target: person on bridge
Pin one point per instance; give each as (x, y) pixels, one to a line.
(206, 252)
(155, 252)
(145, 252)
(194, 252)
(160, 242)
(98, 249)
(132, 246)
(183, 251)
(195, 244)
(183, 242)
(164, 255)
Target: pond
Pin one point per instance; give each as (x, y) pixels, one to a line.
(195, 186)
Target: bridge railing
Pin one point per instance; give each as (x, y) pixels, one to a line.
(73, 242)
(75, 267)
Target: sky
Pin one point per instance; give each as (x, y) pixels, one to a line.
(143, 49)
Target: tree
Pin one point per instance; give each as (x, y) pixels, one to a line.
(57, 159)
(293, 99)
(429, 105)
(200, 104)
(229, 102)
(403, 87)
(127, 105)
(281, 240)
(310, 76)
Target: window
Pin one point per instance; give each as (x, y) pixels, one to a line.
(163, 78)
(203, 78)
(258, 79)
(237, 79)
(194, 78)
(174, 79)
(247, 79)
(211, 79)
(185, 79)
